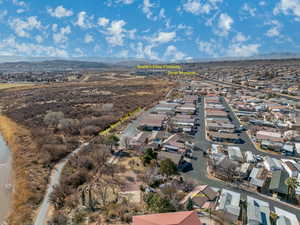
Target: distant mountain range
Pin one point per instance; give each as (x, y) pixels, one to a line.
(20, 64)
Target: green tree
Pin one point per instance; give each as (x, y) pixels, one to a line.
(112, 141)
(189, 204)
(292, 184)
(148, 156)
(159, 204)
(168, 167)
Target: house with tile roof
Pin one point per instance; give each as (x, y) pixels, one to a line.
(175, 218)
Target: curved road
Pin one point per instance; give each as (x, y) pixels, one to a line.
(41, 218)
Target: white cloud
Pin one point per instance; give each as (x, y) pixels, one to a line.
(132, 34)
(61, 36)
(163, 37)
(242, 50)
(188, 30)
(21, 11)
(126, 2)
(54, 27)
(174, 54)
(59, 12)
(288, 7)
(10, 46)
(144, 51)
(22, 27)
(103, 22)
(39, 39)
(88, 38)
(240, 38)
(19, 3)
(262, 3)
(110, 3)
(83, 20)
(97, 48)
(79, 52)
(224, 24)
(201, 7)
(162, 14)
(274, 31)
(146, 8)
(116, 33)
(249, 10)
(3, 14)
(208, 47)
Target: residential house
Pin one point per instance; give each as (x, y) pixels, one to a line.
(203, 196)
(138, 141)
(235, 153)
(286, 217)
(176, 158)
(297, 149)
(174, 218)
(244, 170)
(258, 212)
(229, 205)
(215, 113)
(288, 149)
(174, 144)
(291, 167)
(220, 126)
(249, 157)
(269, 136)
(225, 168)
(277, 184)
(186, 109)
(153, 122)
(225, 137)
(258, 177)
(271, 145)
(272, 164)
(165, 107)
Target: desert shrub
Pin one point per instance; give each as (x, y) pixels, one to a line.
(69, 126)
(90, 130)
(167, 167)
(57, 197)
(148, 156)
(77, 179)
(86, 162)
(56, 151)
(52, 118)
(79, 217)
(58, 219)
(72, 201)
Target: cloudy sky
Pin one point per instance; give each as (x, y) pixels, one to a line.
(151, 29)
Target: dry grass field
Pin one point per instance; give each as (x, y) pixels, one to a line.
(86, 108)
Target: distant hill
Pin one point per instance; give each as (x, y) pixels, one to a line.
(21, 64)
(53, 65)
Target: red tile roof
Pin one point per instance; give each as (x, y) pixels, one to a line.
(176, 218)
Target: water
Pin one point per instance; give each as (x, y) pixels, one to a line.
(5, 180)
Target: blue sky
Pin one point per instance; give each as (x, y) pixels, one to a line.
(151, 29)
